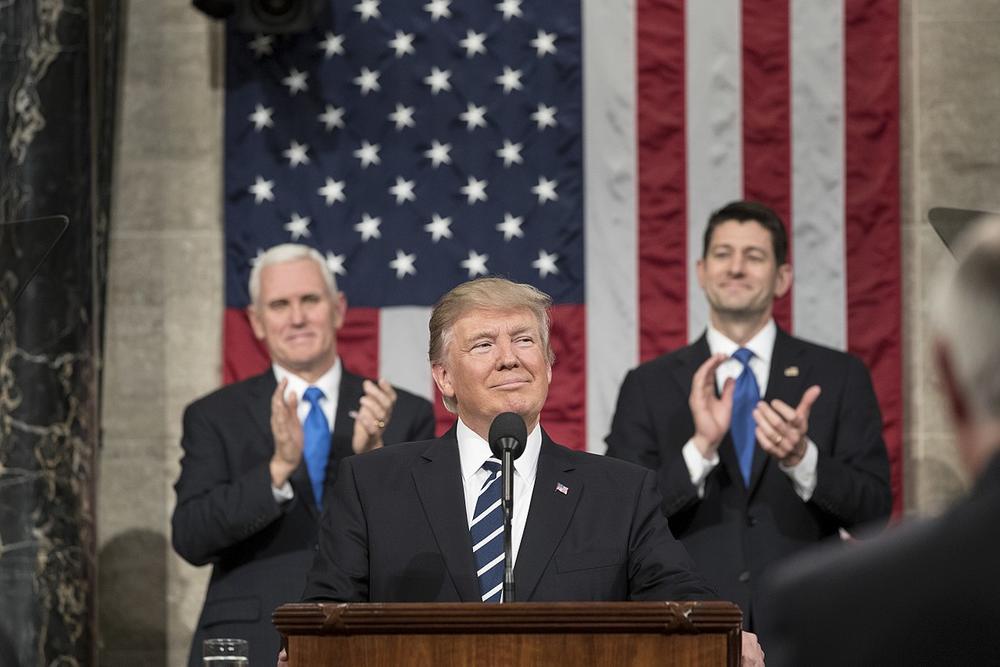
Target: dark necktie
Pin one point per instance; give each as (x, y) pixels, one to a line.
(487, 534)
(316, 436)
(745, 399)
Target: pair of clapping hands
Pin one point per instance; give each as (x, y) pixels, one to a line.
(370, 419)
(781, 429)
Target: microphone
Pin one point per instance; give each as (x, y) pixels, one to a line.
(508, 432)
(508, 436)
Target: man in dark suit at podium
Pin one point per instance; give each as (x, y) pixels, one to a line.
(260, 456)
(927, 593)
(416, 523)
(763, 443)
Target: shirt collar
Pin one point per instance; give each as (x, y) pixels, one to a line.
(329, 382)
(762, 344)
(473, 452)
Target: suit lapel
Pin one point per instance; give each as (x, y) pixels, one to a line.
(784, 381)
(260, 411)
(439, 485)
(259, 404)
(348, 398)
(689, 360)
(549, 516)
(260, 389)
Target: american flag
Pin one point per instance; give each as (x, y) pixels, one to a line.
(578, 146)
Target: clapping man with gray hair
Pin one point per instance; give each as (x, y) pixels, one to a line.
(261, 455)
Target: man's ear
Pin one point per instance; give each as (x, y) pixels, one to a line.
(957, 403)
(339, 310)
(783, 281)
(699, 270)
(443, 380)
(254, 316)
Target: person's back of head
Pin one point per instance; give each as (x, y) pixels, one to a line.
(966, 322)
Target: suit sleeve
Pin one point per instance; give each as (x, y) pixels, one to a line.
(633, 438)
(216, 510)
(852, 475)
(659, 565)
(420, 420)
(340, 570)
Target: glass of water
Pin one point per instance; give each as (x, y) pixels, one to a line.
(225, 653)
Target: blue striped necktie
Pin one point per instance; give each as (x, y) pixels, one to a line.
(487, 534)
(746, 395)
(316, 442)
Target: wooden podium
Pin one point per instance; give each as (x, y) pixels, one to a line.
(525, 633)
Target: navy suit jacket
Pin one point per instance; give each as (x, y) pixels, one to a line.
(735, 533)
(226, 513)
(923, 594)
(397, 531)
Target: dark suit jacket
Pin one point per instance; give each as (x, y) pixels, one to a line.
(226, 513)
(397, 532)
(735, 534)
(924, 594)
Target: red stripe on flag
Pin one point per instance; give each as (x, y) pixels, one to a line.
(444, 419)
(357, 341)
(564, 416)
(767, 128)
(662, 155)
(244, 356)
(872, 209)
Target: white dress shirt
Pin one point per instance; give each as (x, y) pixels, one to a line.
(803, 474)
(473, 451)
(329, 384)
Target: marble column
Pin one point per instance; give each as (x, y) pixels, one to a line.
(57, 84)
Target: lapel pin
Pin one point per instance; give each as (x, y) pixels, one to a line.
(792, 372)
(562, 488)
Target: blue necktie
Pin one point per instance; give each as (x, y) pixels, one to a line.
(487, 534)
(745, 398)
(316, 436)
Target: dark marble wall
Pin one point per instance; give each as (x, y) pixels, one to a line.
(57, 87)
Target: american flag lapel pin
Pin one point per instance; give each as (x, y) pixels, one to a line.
(562, 488)
(792, 372)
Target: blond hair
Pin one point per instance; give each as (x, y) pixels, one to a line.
(489, 294)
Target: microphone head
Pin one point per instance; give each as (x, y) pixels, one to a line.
(508, 431)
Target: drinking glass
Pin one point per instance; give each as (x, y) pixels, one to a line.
(223, 652)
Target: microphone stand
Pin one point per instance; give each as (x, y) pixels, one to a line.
(507, 473)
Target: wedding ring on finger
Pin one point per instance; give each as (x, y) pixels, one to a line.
(777, 439)
(380, 423)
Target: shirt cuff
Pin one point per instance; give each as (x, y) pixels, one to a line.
(284, 493)
(698, 466)
(803, 473)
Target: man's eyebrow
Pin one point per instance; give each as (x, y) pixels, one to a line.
(482, 333)
(730, 246)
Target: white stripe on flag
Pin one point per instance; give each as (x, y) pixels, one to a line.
(402, 352)
(610, 208)
(486, 539)
(713, 90)
(819, 308)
